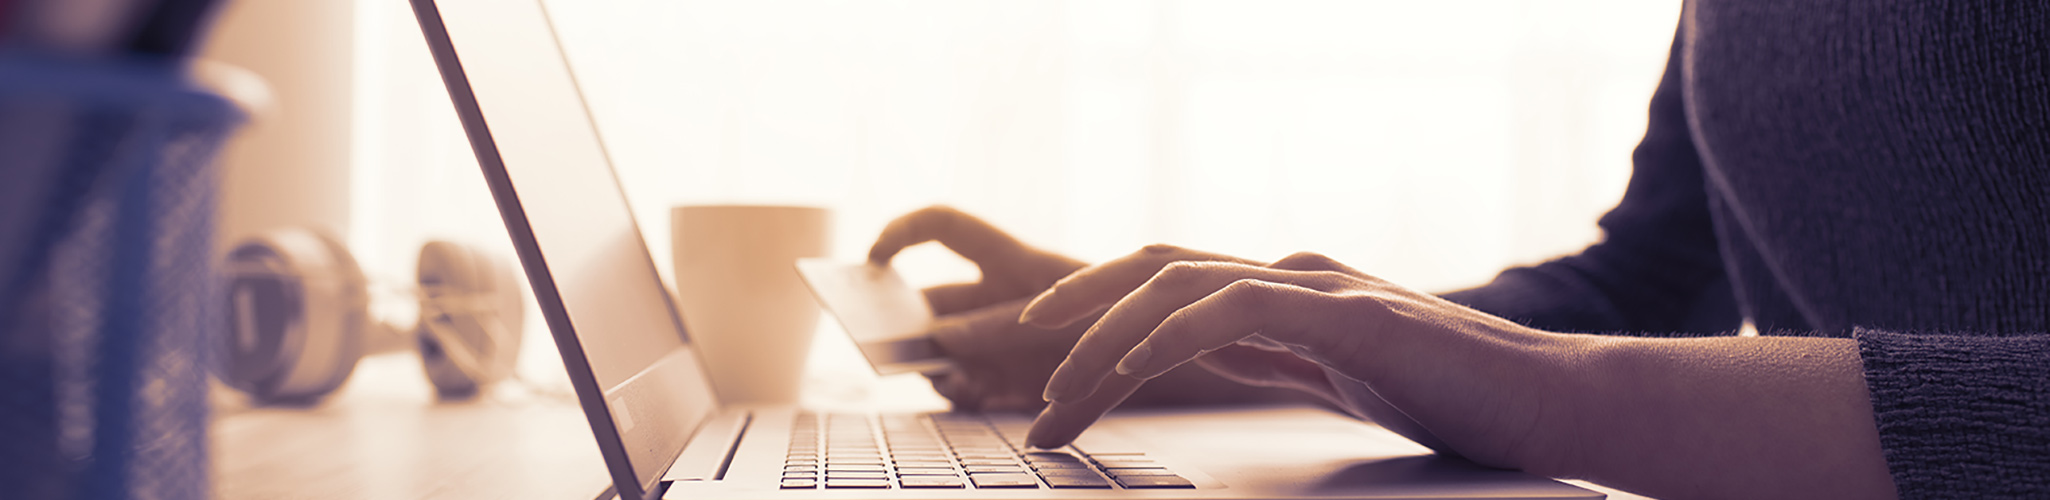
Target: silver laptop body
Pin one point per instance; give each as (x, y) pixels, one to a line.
(664, 434)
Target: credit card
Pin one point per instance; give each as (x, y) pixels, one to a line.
(887, 318)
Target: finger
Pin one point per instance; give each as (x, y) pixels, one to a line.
(958, 297)
(1135, 316)
(1060, 423)
(1219, 320)
(964, 234)
(1096, 287)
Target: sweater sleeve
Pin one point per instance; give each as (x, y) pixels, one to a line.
(1961, 416)
(1657, 268)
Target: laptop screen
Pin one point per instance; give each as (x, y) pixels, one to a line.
(621, 338)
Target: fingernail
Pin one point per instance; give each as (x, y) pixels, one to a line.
(1031, 314)
(1135, 361)
(1054, 393)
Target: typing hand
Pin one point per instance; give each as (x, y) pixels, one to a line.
(1305, 322)
(1003, 364)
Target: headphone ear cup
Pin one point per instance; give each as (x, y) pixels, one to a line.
(299, 306)
(470, 319)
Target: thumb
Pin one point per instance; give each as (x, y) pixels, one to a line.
(969, 332)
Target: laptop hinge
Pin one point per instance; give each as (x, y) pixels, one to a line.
(711, 450)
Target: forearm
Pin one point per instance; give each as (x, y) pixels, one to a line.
(1722, 417)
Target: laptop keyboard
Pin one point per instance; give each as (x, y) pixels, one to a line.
(952, 451)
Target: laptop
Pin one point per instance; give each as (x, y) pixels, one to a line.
(663, 433)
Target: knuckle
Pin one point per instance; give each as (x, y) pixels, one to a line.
(1179, 273)
(1248, 293)
(1160, 249)
(1306, 261)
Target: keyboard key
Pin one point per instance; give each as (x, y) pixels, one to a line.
(855, 468)
(1059, 465)
(931, 482)
(995, 469)
(831, 475)
(988, 461)
(1004, 481)
(1090, 482)
(926, 471)
(1051, 456)
(1115, 455)
(1128, 464)
(857, 483)
(1066, 472)
(978, 455)
(925, 463)
(799, 483)
(1147, 482)
(1132, 467)
(1138, 472)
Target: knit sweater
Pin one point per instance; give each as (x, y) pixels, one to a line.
(1871, 169)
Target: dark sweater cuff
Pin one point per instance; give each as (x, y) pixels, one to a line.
(1961, 416)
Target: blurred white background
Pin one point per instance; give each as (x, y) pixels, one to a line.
(1431, 143)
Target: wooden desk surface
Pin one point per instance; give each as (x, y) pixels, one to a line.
(384, 437)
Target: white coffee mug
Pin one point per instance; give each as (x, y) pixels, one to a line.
(743, 306)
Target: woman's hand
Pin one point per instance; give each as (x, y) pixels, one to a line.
(1002, 364)
(1383, 351)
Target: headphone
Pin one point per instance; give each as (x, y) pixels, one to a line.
(299, 318)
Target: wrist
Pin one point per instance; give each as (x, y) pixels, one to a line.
(1547, 378)
(1580, 368)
